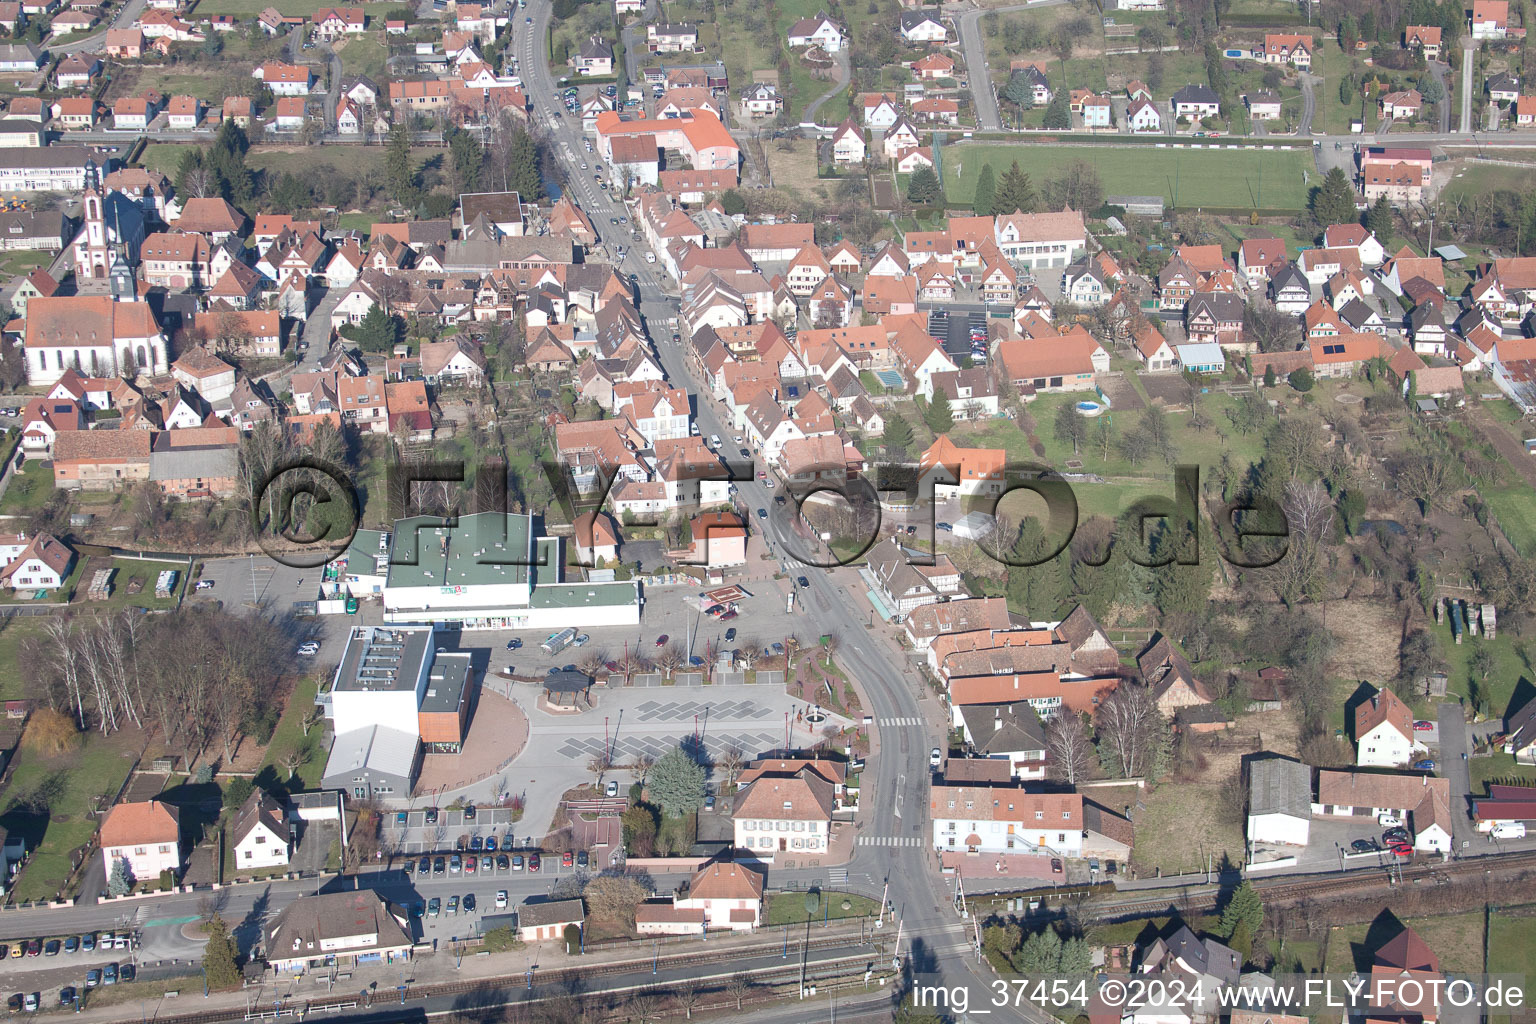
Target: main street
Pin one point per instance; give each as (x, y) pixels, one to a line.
(897, 772)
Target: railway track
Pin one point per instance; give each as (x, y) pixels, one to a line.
(1280, 890)
(508, 986)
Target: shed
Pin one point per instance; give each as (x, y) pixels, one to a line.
(567, 690)
(1279, 801)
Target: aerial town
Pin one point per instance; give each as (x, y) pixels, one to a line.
(624, 510)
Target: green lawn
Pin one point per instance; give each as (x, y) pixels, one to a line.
(1479, 179)
(22, 261)
(251, 8)
(1496, 768)
(29, 490)
(1516, 513)
(49, 800)
(129, 569)
(14, 629)
(1508, 667)
(789, 907)
(289, 736)
(1238, 178)
(1512, 950)
(364, 56)
(1457, 938)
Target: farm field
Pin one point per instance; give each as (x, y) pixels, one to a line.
(1235, 178)
(251, 8)
(1474, 180)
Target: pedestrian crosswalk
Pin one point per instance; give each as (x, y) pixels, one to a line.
(837, 876)
(887, 723)
(890, 841)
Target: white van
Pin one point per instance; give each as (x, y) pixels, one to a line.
(714, 441)
(1389, 821)
(1509, 830)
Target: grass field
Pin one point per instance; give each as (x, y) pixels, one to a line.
(251, 8)
(14, 629)
(1512, 950)
(1456, 938)
(29, 490)
(1478, 179)
(1512, 504)
(289, 736)
(789, 908)
(49, 800)
(1235, 178)
(1508, 667)
(1176, 833)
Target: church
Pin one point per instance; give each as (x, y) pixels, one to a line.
(112, 233)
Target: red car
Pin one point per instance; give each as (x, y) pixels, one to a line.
(661, 641)
(1423, 726)
(1401, 849)
(567, 859)
(533, 862)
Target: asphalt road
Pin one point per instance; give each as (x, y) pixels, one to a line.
(968, 27)
(1466, 88)
(901, 765)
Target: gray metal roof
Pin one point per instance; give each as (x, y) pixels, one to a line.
(193, 464)
(1278, 785)
(447, 682)
(384, 658)
(377, 748)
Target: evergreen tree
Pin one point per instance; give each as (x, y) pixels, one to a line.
(1245, 906)
(986, 191)
(898, 436)
(466, 157)
(676, 783)
(117, 882)
(1333, 202)
(290, 194)
(924, 187)
(1242, 939)
(399, 177)
(1058, 115)
(525, 178)
(939, 417)
(1020, 89)
(1379, 220)
(221, 965)
(1036, 588)
(378, 332)
(1015, 193)
(1181, 592)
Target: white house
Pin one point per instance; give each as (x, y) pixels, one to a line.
(260, 836)
(1279, 801)
(923, 27)
(730, 895)
(1383, 732)
(144, 837)
(1143, 116)
(848, 145)
(997, 819)
(785, 806)
(819, 31)
(43, 563)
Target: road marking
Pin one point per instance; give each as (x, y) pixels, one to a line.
(163, 922)
(901, 784)
(906, 841)
(891, 723)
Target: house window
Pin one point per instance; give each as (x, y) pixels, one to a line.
(138, 851)
(260, 839)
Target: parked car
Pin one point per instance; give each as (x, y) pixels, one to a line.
(439, 865)
(581, 858)
(93, 977)
(490, 844)
(533, 862)
(14, 1002)
(34, 947)
(1363, 845)
(453, 906)
(455, 865)
(109, 974)
(502, 863)
(661, 641)
(424, 867)
(567, 859)
(475, 842)
(1425, 765)
(52, 947)
(709, 802)
(469, 903)
(1055, 865)
(613, 788)
(1422, 726)
(469, 812)
(730, 634)
(517, 862)
(935, 757)
(72, 944)
(30, 1003)
(308, 650)
(400, 817)
(514, 644)
(67, 995)
(126, 972)
(728, 616)
(203, 585)
(434, 906)
(431, 815)
(88, 942)
(581, 640)
(469, 865)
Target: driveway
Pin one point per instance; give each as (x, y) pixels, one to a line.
(1308, 102)
(1455, 744)
(1466, 91)
(841, 83)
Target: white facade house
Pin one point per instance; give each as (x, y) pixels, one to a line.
(1383, 732)
(144, 837)
(729, 894)
(997, 819)
(819, 31)
(260, 834)
(923, 27)
(788, 812)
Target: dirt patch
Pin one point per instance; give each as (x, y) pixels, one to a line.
(792, 165)
(1168, 388)
(1122, 394)
(1366, 638)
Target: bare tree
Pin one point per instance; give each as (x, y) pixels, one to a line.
(641, 764)
(1069, 748)
(751, 649)
(591, 662)
(737, 986)
(670, 658)
(599, 764)
(830, 642)
(645, 1006)
(686, 994)
(1132, 730)
(730, 761)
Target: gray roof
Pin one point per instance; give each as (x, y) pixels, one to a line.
(19, 51)
(377, 748)
(29, 157)
(1196, 94)
(447, 682)
(32, 223)
(484, 253)
(1004, 728)
(563, 681)
(308, 921)
(501, 207)
(380, 658)
(1288, 275)
(1278, 785)
(545, 912)
(193, 464)
(19, 126)
(596, 48)
(912, 19)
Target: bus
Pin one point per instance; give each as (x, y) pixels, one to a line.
(559, 641)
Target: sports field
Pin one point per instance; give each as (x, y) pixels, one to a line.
(1269, 179)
